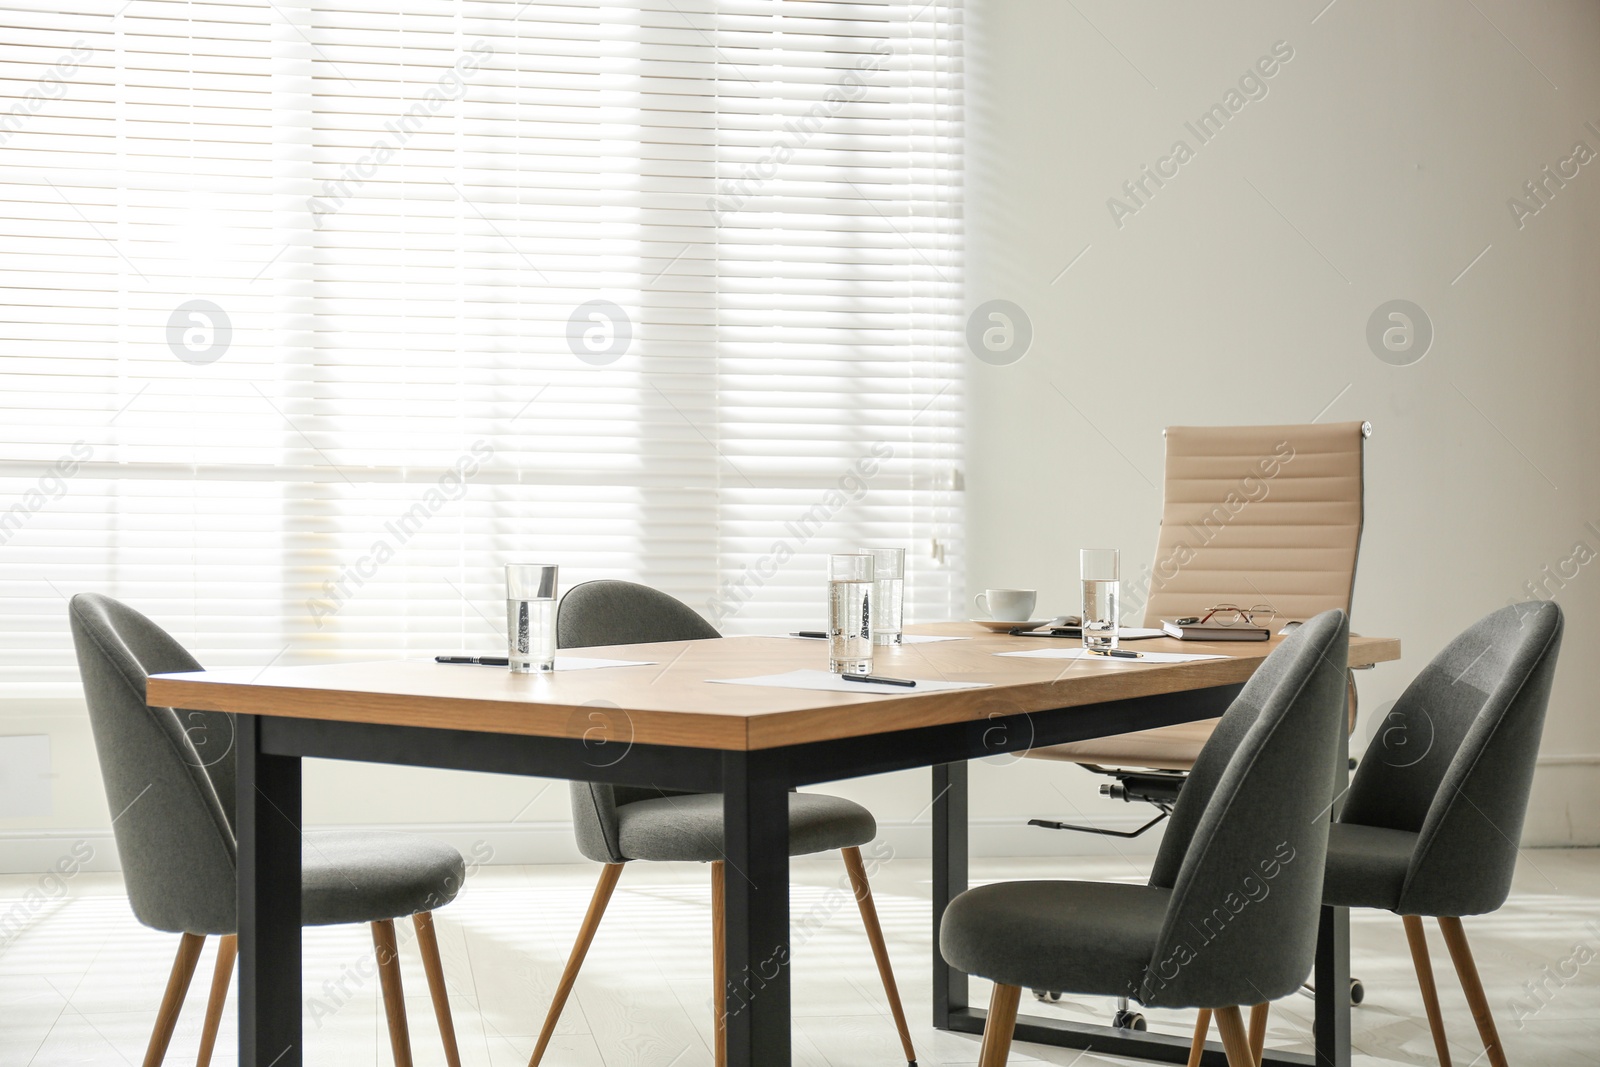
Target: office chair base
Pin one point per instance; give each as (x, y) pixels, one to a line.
(1124, 1019)
(1129, 1020)
(1358, 991)
(1050, 824)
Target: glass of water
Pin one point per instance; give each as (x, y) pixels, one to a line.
(850, 614)
(888, 593)
(1102, 596)
(531, 617)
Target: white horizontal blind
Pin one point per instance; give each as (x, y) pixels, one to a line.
(664, 290)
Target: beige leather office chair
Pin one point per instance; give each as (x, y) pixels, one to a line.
(1251, 515)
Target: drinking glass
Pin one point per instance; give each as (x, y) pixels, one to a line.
(531, 617)
(1102, 596)
(888, 593)
(850, 614)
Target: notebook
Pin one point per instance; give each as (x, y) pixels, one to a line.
(1210, 631)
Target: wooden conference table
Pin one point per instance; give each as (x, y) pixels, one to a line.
(663, 725)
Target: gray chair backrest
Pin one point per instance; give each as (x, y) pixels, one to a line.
(168, 774)
(1247, 846)
(618, 613)
(1453, 760)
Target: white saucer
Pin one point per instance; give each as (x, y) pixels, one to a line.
(1000, 627)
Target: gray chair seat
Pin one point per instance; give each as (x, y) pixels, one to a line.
(1367, 866)
(362, 876)
(1071, 937)
(689, 828)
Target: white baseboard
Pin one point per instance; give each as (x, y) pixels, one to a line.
(38, 851)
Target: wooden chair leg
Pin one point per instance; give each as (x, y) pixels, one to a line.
(1000, 1025)
(1455, 938)
(1202, 1030)
(183, 964)
(1417, 937)
(428, 942)
(880, 949)
(394, 996)
(719, 964)
(591, 922)
(1258, 1029)
(221, 979)
(1230, 1023)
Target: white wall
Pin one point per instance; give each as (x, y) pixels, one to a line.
(1377, 166)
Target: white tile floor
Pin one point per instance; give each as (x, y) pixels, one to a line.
(80, 985)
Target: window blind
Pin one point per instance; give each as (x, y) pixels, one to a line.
(315, 314)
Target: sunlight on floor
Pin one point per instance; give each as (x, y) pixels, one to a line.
(81, 982)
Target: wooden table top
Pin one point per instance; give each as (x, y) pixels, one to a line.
(671, 701)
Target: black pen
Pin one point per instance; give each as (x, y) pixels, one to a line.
(1120, 653)
(879, 679)
(809, 633)
(484, 661)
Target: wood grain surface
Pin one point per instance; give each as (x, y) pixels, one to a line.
(671, 702)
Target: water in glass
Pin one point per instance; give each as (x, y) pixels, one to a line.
(850, 626)
(531, 634)
(1101, 608)
(887, 610)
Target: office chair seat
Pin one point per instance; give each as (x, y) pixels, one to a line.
(1091, 938)
(689, 828)
(1169, 748)
(1367, 866)
(359, 876)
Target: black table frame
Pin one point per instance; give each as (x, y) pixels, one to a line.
(754, 785)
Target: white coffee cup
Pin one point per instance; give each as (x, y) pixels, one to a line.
(1007, 605)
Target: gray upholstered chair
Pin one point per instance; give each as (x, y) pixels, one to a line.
(1434, 814)
(616, 824)
(1229, 916)
(169, 779)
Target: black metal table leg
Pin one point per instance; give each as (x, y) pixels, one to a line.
(949, 880)
(756, 820)
(1331, 976)
(1333, 988)
(268, 824)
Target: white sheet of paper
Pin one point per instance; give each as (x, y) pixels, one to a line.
(1079, 653)
(585, 663)
(906, 639)
(829, 682)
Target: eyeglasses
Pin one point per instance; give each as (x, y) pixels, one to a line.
(1234, 615)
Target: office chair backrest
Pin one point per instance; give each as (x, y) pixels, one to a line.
(618, 613)
(1258, 514)
(171, 798)
(1453, 761)
(1246, 850)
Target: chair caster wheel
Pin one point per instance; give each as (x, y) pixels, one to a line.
(1128, 1020)
(1049, 996)
(1358, 992)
